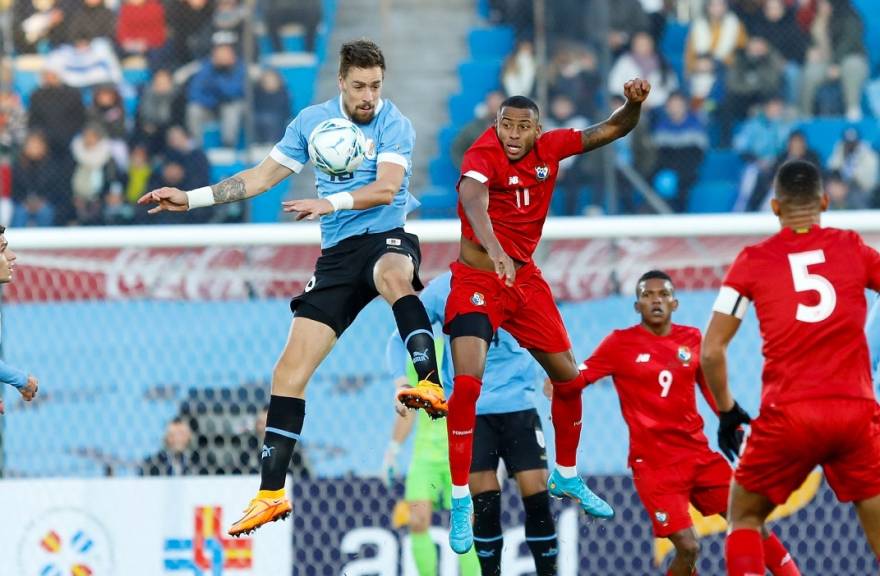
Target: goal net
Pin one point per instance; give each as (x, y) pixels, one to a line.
(150, 341)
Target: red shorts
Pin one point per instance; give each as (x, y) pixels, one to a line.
(526, 309)
(666, 491)
(787, 442)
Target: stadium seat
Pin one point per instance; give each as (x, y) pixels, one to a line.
(666, 183)
(266, 207)
(438, 202)
(480, 76)
(461, 108)
(674, 39)
(136, 75)
(299, 71)
(444, 139)
(716, 196)
(823, 133)
(495, 42)
(293, 38)
(442, 171)
(721, 165)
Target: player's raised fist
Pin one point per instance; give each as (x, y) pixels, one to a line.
(636, 90)
(29, 390)
(170, 199)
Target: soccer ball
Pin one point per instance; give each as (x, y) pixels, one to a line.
(337, 146)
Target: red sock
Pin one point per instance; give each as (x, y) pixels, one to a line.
(566, 411)
(745, 553)
(460, 422)
(779, 561)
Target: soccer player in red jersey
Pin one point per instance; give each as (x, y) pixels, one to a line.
(504, 194)
(655, 366)
(817, 403)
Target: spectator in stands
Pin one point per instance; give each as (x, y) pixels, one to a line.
(189, 27)
(271, 107)
(776, 24)
(87, 62)
(843, 194)
(230, 17)
(40, 24)
(176, 458)
(90, 20)
(248, 462)
(281, 13)
(108, 112)
(156, 110)
(13, 122)
(575, 172)
(755, 75)
(706, 85)
(643, 61)
(141, 30)
(625, 19)
(755, 192)
(40, 184)
(217, 89)
(140, 168)
(520, 15)
(655, 10)
(759, 141)
(180, 148)
(57, 110)
(717, 32)
(95, 176)
(519, 70)
(856, 162)
(681, 140)
(485, 117)
(836, 57)
(574, 72)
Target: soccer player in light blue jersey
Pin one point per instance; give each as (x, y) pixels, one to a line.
(25, 384)
(507, 428)
(364, 253)
(872, 331)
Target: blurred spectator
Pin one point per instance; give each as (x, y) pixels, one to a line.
(57, 110)
(655, 10)
(764, 135)
(40, 184)
(13, 123)
(681, 141)
(156, 110)
(271, 108)
(520, 15)
(180, 148)
(86, 62)
(855, 161)
(706, 85)
(756, 195)
(643, 61)
(217, 89)
(776, 24)
(519, 70)
(140, 169)
(842, 195)
(280, 13)
(717, 32)
(248, 460)
(176, 457)
(189, 29)
(755, 76)
(485, 117)
(625, 19)
(90, 20)
(95, 176)
(229, 17)
(574, 72)
(835, 59)
(575, 171)
(108, 112)
(141, 30)
(40, 24)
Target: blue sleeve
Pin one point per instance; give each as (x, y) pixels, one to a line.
(872, 331)
(293, 149)
(396, 356)
(396, 141)
(434, 298)
(15, 377)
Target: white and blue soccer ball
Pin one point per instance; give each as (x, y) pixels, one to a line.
(337, 146)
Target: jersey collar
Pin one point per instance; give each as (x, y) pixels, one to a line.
(347, 117)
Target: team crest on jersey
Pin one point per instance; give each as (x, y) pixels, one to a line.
(370, 153)
(684, 354)
(662, 517)
(541, 172)
(478, 300)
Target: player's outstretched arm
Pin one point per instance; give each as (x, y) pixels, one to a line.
(245, 184)
(474, 197)
(621, 120)
(389, 179)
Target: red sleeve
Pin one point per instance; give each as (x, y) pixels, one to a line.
(738, 277)
(562, 143)
(871, 258)
(602, 362)
(478, 163)
(704, 390)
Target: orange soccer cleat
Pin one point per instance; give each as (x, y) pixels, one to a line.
(425, 395)
(268, 506)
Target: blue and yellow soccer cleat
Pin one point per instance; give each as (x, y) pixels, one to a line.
(461, 531)
(576, 488)
(426, 395)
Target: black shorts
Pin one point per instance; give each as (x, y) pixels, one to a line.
(343, 281)
(515, 437)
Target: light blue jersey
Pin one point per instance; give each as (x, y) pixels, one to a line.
(872, 331)
(511, 372)
(390, 138)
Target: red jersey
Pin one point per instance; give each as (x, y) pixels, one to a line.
(809, 295)
(519, 192)
(655, 377)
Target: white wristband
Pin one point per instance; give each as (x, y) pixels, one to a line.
(394, 447)
(200, 197)
(340, 201)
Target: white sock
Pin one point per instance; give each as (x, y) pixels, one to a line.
(460, 491)
(564, 471)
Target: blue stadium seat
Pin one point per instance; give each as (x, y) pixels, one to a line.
(823, 133)
(266, 207)
(442, 171)
(484, 8)
(666, 184)
(480, 76)
(721, 165)
(211, 136)
(25, 82)
(438, 202)
(674, 39)
(136, 76)
(299, 71)
(716, 196)
(495, 42)
(444, 139)
(461, 108)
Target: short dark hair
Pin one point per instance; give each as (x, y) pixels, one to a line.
(2, 230)
(798, 182)
(360, 54)
(650, 275)
(521, 102)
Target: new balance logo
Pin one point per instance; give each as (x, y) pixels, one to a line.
(785, 560)
(642, 358)
(462, 432)
(420, 356)
(266, 452)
